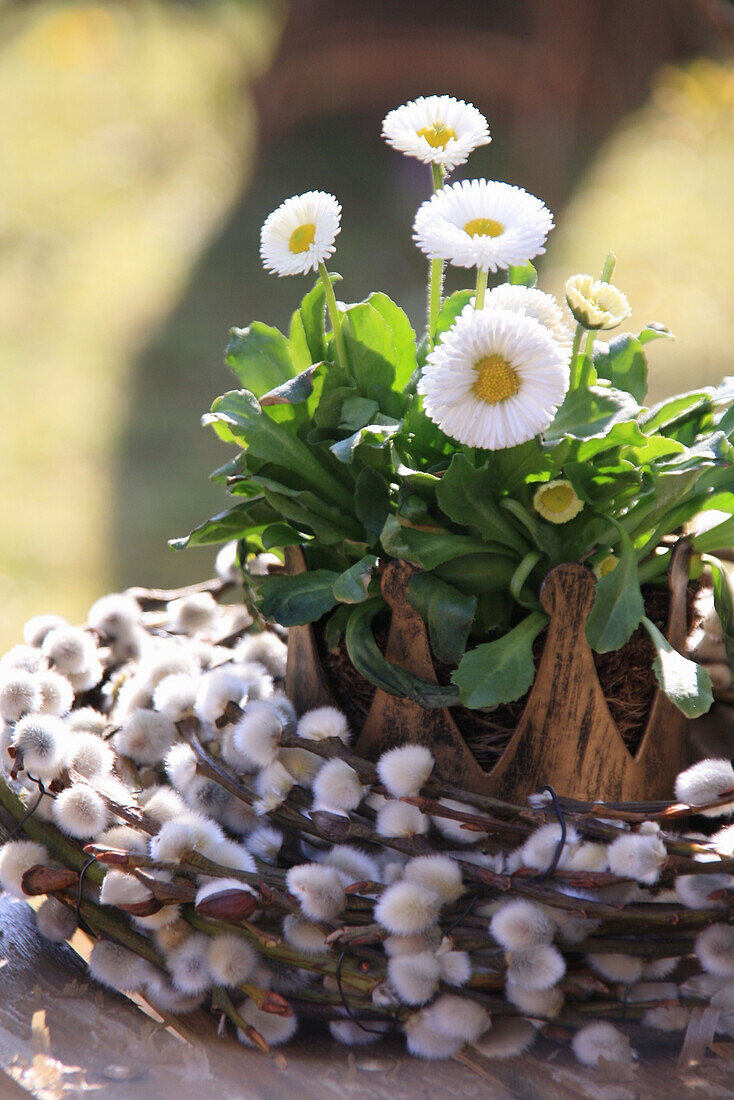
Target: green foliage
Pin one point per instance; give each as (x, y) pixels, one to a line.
(684, 682)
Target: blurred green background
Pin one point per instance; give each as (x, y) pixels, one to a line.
(143, 143)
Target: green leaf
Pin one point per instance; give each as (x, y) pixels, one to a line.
(624, 363)
(307, 339)
(500, 671)
(522, 275)
(465, 494)
(353, 585)
(278, 535)
(654, 331)
(430, 548)
(448, 613)
(370, 344)
(240, 414)
(686, 683)
(225, 526)
(450, 310)
(618, 604)
(715, 538)
(373, 437)
(357, 412)
(336, 625)
(304, 598)
(259, 356)
(403, 336)
(371, 500)
(591, 413)
(723, 603)
(478, 573)
(673, 410)
(367, 659)
(293, 391)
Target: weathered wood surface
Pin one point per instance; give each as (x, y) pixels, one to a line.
(102, 1044)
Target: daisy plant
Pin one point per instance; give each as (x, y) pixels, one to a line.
(504, 440)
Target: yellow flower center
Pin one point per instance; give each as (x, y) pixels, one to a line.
(302, 238)
(438, 135)
(496, 380)
(484, 227)
(609, 564)
(559, 498)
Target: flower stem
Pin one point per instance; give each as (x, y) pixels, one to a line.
(608, 269)
(336, 324)
(435, 276)
(481, 288)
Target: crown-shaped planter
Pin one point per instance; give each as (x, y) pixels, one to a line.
(566, 736)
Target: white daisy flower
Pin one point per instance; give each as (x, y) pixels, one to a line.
(300, 234)
(436, 129)
(596, 304)
(482, 223)
(495, 380)
(556, 501)
(534, 303)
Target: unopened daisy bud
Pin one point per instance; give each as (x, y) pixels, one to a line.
(693, 890)
(599, 1042)
(275, 1030)
(304, 936)
(337, 786)
(400, 819)
(595, 304)
(715, 950)
(617, 968)
(353, 864)
(23, 658)
(605, 566)
(231, 959)
(414, 977)
(20, 693)
(175, 696)
(120, 969)
(318, 890)
(705, 782)
(56, 922)
(180, 765)
(41, 742)
(69, 649)
(519, 924)
(114, 616)
(438, 873)
(17, 857)
(542, 1004)
(556, 501)
(188, 964)
(638, 856)
(436, 129)
(322, 723)
(407, 908)
(146, 737)
(404, 770)
(36, 629)
(265, 842)
(302, 765)
(257, 734)
(192, 614)
(300, 234)
(90, 755)
(57, 694)
(80, 812)
(535, 968)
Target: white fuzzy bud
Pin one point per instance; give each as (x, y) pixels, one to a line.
(588, 856)
(519, 924)
(192, 614)
(258, 682)
(164, 997)
(175, 696)
(455, 967)
(541, 1004)
(667, 1018)
(188, 964)
(400, 819)
(353, 864)
(88, 678)
(226, 564)
(407, 908)
(302, 765)
(273, 784)
(20, 693)
(337, 787)
(274, 1029)
(36, 629)
(304, 936)
(265, 842)
(424, 1041)
(180, 765)
(114, 616)
(458, 1018)
(80, 812)
(216, 689)
(162, 804)
(539, 850)
(323, 723)
(124, 838)
(69, 649)
(231, 959)
(414, 977)
(90, 755)
(120, 969)
(146, 737)
(318, 890)
(507, 1038)
(86, 720)
(412, 945)
(715, 950)
(599, 1042)
(17, 857)
(617, 968)
(22, 658)
(351, 1035)
(693, 890)
(536, 968)
(57, 694)
(705, 782)
(119, 888)
(438, 873)
(267, 649)
(638, 856)
(257, 734)
(659, 968)
(229, 853)
(43, 742)
(454, 830)
(173, 659)
(282, 705)
(405, 770)
(56, 922)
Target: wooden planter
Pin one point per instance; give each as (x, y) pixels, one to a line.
(566, 736)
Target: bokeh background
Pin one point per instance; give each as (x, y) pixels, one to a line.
(143, 142)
